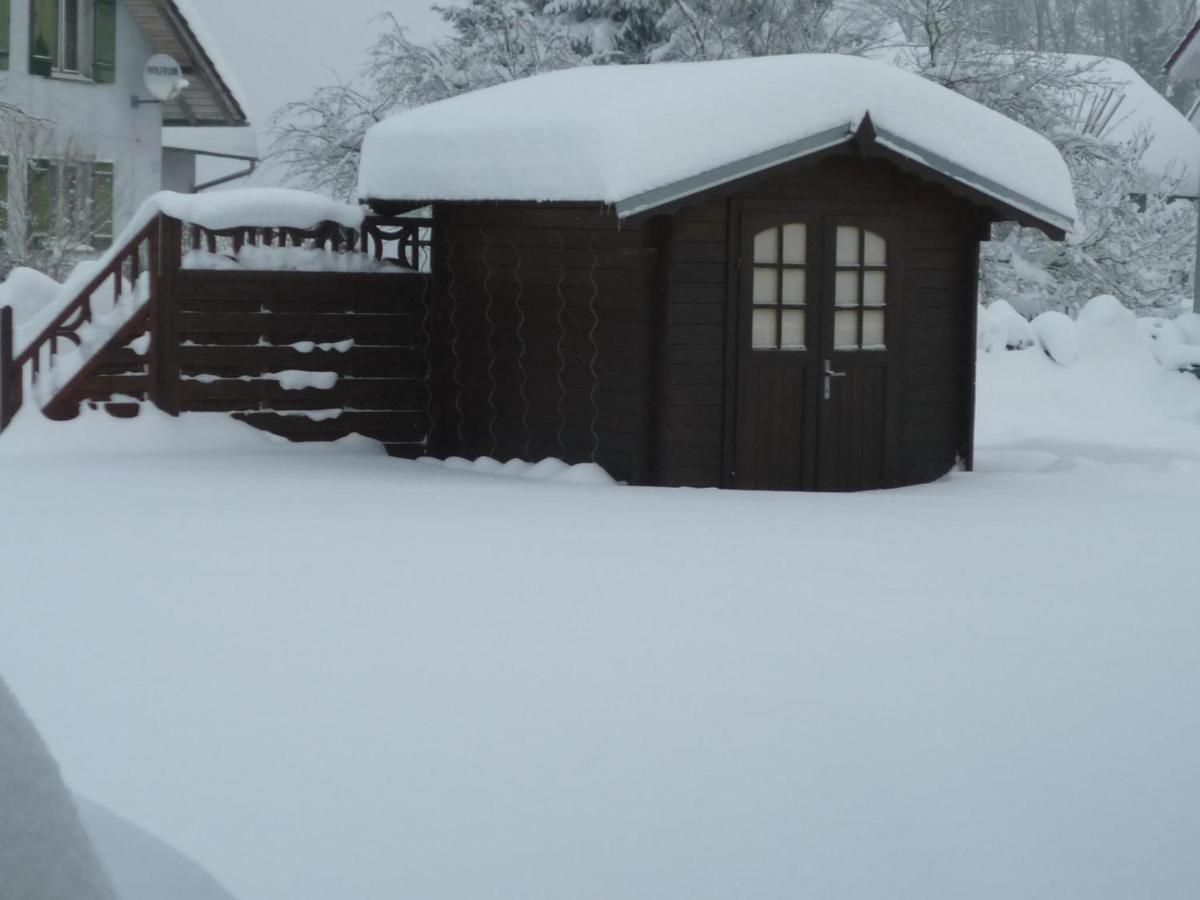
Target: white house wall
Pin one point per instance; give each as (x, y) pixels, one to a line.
(95, 119)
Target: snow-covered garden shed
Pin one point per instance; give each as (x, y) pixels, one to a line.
(750, 274)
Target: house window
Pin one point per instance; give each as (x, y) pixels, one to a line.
(73, 37)
(70, 204)
(69, 27)
(780, 288)
(860, 290)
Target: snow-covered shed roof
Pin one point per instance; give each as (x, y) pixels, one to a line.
(1184, 63)
(1133, 107)
(640, 137)
(212, 96)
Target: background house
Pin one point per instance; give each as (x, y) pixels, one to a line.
(195, 159)
(1184, 66)
(79, 146)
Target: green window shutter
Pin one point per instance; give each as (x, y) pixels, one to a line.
(102, 205)
(43, 36)
(104, 28)
(5, 22)
(40, 200)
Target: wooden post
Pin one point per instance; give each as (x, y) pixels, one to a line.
(164, 322)
(10, 376)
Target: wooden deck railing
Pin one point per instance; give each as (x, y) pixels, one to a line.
(157, 250)
(403, 240)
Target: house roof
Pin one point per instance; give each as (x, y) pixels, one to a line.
(1184, 63)
(642, 137)
(1121, 105)
(212, 96)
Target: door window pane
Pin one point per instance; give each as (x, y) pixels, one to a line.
(847, 289)
(795, 244)
(793, 287)
(766, 286)
(873, 329)
(874, 288)
(845, 329)
(875, 250)
(847, 246)
(766, 246)
(793, 332)
(860, 290)
(779, 288)
(766, 336)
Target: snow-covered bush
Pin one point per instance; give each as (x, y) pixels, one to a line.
(1003, 328)
(1103, 329)
(1058, 336)
(1135, 245)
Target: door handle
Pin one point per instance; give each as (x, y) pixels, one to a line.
(829, 376)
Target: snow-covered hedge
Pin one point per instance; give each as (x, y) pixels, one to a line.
(1103, 326)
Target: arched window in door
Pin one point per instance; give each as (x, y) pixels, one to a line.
(780, 289)
(860, 291)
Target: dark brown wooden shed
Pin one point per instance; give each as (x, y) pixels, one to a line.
(801, 317)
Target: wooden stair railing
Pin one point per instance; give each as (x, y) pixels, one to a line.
(146, 264)
(27, 369)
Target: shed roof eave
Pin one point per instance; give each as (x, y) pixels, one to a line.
(1173, 63)
(1054, 223)
(866, 135)
(648, 201)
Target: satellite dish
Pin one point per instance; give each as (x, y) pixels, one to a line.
(164, 78)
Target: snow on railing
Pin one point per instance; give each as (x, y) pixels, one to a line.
(377, 245)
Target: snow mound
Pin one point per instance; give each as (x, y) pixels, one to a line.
(613, 133)
(1183, 356)
(1161, 335)
(1104, 330)
(141, 866)
(549, 470)
(261, 207)
(44, 852)
(1003, 328)
(27, 291)
(1104, 310)
(1122, 390)
(1189, 326)
(1058, 336)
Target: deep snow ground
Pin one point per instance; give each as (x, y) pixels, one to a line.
(325, 673)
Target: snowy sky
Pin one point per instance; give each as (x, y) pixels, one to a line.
(281, 49)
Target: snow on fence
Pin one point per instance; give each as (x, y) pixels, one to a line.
(141, 323)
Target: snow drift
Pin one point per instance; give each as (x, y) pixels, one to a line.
(44, 852)
(141, 866)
